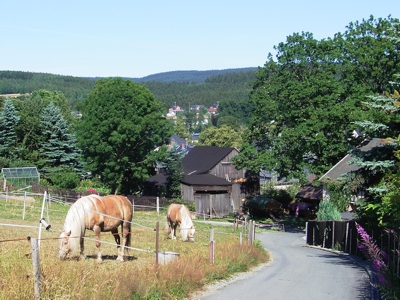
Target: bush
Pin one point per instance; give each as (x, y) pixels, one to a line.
(328, 211)
(283, 196)
(65, 179)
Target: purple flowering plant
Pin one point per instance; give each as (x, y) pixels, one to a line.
(387, 278)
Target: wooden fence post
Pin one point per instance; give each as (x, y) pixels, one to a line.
(251, 233)
(212, 248)
(347, 237)
(306, 232)
(211, 207)
(37, 281)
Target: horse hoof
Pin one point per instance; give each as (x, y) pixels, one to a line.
(99, 260)
(120, 259)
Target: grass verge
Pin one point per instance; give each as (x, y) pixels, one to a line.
(136, 278)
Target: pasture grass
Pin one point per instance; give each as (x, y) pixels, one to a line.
(136, 278)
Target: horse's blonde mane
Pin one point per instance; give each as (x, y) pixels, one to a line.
(186, 222)
(75, 219)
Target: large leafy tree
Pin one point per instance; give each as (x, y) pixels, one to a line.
(59, 151)
(121, 125)
(223, 136)
(308, 98)
(379, 175)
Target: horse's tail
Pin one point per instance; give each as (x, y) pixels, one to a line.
(167, 227)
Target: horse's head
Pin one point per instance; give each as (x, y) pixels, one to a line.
(191, 234)
(64, 244)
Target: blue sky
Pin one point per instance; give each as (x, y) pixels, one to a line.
(140, 38)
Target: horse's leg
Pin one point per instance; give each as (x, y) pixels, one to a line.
(118, 241)
(82, 245)
(173, 233)
(97, 230)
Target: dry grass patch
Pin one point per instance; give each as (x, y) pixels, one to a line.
(136, 278)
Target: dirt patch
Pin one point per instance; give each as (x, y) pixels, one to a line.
(18, 198)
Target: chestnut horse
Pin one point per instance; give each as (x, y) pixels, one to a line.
(100, 214)
(178, 214)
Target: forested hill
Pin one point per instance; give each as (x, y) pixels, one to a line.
(178, 87)
(188, 76)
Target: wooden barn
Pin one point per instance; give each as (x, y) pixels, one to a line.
(212, 181)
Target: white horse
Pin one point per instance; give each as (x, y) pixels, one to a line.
(178, 214)
(99, 214)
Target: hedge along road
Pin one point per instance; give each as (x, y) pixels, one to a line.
(300, 272)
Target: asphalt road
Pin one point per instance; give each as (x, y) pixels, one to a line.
(300, 272)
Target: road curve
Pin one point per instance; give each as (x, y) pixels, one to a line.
(299, 272)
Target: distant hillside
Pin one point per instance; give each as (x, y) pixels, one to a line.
(188, 76)
(177, 87)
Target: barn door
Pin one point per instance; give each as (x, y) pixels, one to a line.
(212, 205)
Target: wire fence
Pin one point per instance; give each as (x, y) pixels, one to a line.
(26, 199)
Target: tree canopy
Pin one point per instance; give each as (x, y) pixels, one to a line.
(307, 99)
(121, 125)
(224, 136)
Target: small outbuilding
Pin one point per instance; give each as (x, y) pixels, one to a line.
(19, 177)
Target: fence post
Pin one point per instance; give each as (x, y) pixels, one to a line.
(41, 217)
(212, 248)
(306, 232)
(210, 207)
(351, 237)
(133, 205)
(251, 232)
(37, 283)
(23, 213)
(347, 237)
(158, 206)
(157, 236)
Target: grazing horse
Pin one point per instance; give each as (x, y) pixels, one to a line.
(178, 214)
(99, 214)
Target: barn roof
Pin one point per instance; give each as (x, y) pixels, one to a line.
(196, 165)
(343, 166)
(204, 179)
(310, 192)
(201, 159)
(158, 179)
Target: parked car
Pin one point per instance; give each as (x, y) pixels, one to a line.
(262, 206)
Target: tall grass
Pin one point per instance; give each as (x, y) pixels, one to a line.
(136, 278)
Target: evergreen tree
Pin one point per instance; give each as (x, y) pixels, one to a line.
(174, 171)
(9, 119)
(59, 151)
(328, 211)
